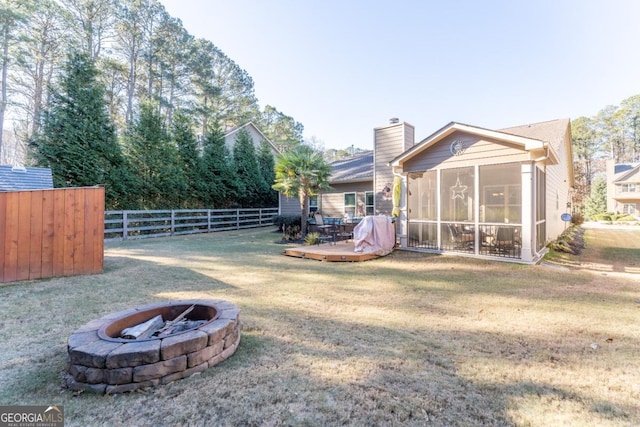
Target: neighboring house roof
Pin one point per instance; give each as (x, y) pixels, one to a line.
(14, 178)
(231, 132)
(357, 168)
(623, 171)
(533, 138)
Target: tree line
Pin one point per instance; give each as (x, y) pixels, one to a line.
(167, 97)
(613, 133)
(151, 166)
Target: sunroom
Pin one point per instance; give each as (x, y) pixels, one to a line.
(479, 192)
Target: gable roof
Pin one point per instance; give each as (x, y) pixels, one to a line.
(13, 178)
(357, 168)
(536, 138)
(551, 131)
(237, 129)
(622, 171)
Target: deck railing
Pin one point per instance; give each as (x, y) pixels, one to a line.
(123, 225)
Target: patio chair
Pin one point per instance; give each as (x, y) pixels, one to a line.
(505, 240)
(321, 227)
(461, 239)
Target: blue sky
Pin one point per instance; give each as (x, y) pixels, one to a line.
(342, 68)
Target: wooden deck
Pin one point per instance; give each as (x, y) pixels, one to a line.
(339, 252)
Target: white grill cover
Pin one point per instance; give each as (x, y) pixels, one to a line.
(374, 235)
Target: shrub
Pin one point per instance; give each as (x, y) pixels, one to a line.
(291, 232)
(570, 241)
(622, 217)
(312, 239)
(577, 219)
(283, 221)
(602, 217)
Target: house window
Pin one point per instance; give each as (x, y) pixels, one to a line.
(628, 188)
(350, 203)
(501, 195)
(368, 203)
(629, 208)
(456, 192)
(313, 204)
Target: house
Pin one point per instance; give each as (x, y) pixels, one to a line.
(464, 189)
(256, 135)
(15, 178)
(623, 188)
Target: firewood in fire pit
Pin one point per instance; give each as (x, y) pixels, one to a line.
(143, 330)
(166, 329)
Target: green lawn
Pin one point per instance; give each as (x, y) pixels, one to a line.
(408, 339)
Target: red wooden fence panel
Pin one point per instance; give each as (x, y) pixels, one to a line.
(50, 233)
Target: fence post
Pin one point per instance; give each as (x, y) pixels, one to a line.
(173, 222)
(125, 224)
(209, 220)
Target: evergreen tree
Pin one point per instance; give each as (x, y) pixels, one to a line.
(191, 162)
(596, 202)
(156, 161)
(77, 139)
(246, 164)
(266, 165)
(221, 183)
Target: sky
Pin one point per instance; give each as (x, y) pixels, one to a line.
(344, 67)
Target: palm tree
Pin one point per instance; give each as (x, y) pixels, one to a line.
(301, 172)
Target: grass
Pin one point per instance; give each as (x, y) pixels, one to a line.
(408, 339)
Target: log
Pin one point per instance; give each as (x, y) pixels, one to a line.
(143, 330)
(166, 329)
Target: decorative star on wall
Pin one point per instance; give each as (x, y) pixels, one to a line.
(458, 190)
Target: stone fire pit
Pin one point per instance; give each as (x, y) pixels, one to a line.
(101, 361)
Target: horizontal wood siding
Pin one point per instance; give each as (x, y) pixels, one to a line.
(389, 143)
(48, 233)
(476, 151)
(289, 206)
(558, 190)
(331, 202)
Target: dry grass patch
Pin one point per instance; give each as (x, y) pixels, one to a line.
(408, 339)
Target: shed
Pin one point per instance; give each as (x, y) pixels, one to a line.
(17, 178)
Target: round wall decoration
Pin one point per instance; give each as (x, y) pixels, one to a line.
(386, 191)
(457, 147)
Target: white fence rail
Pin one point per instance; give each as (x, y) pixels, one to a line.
(124, 225)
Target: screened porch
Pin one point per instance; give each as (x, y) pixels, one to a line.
(475, 210)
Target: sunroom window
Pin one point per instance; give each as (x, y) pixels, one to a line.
(501, 194)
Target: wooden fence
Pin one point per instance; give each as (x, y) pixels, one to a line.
(51, 233)
(123, 225)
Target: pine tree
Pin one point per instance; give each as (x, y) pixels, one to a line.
(221, 181)
(596, 202)
(156, 161)
(266, 164)
(77, 139)
(246, 164)
(191, 162)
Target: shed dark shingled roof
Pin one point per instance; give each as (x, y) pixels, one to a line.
(18, 178)
(356, 168)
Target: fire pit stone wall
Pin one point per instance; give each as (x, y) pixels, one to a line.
(107, 365)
